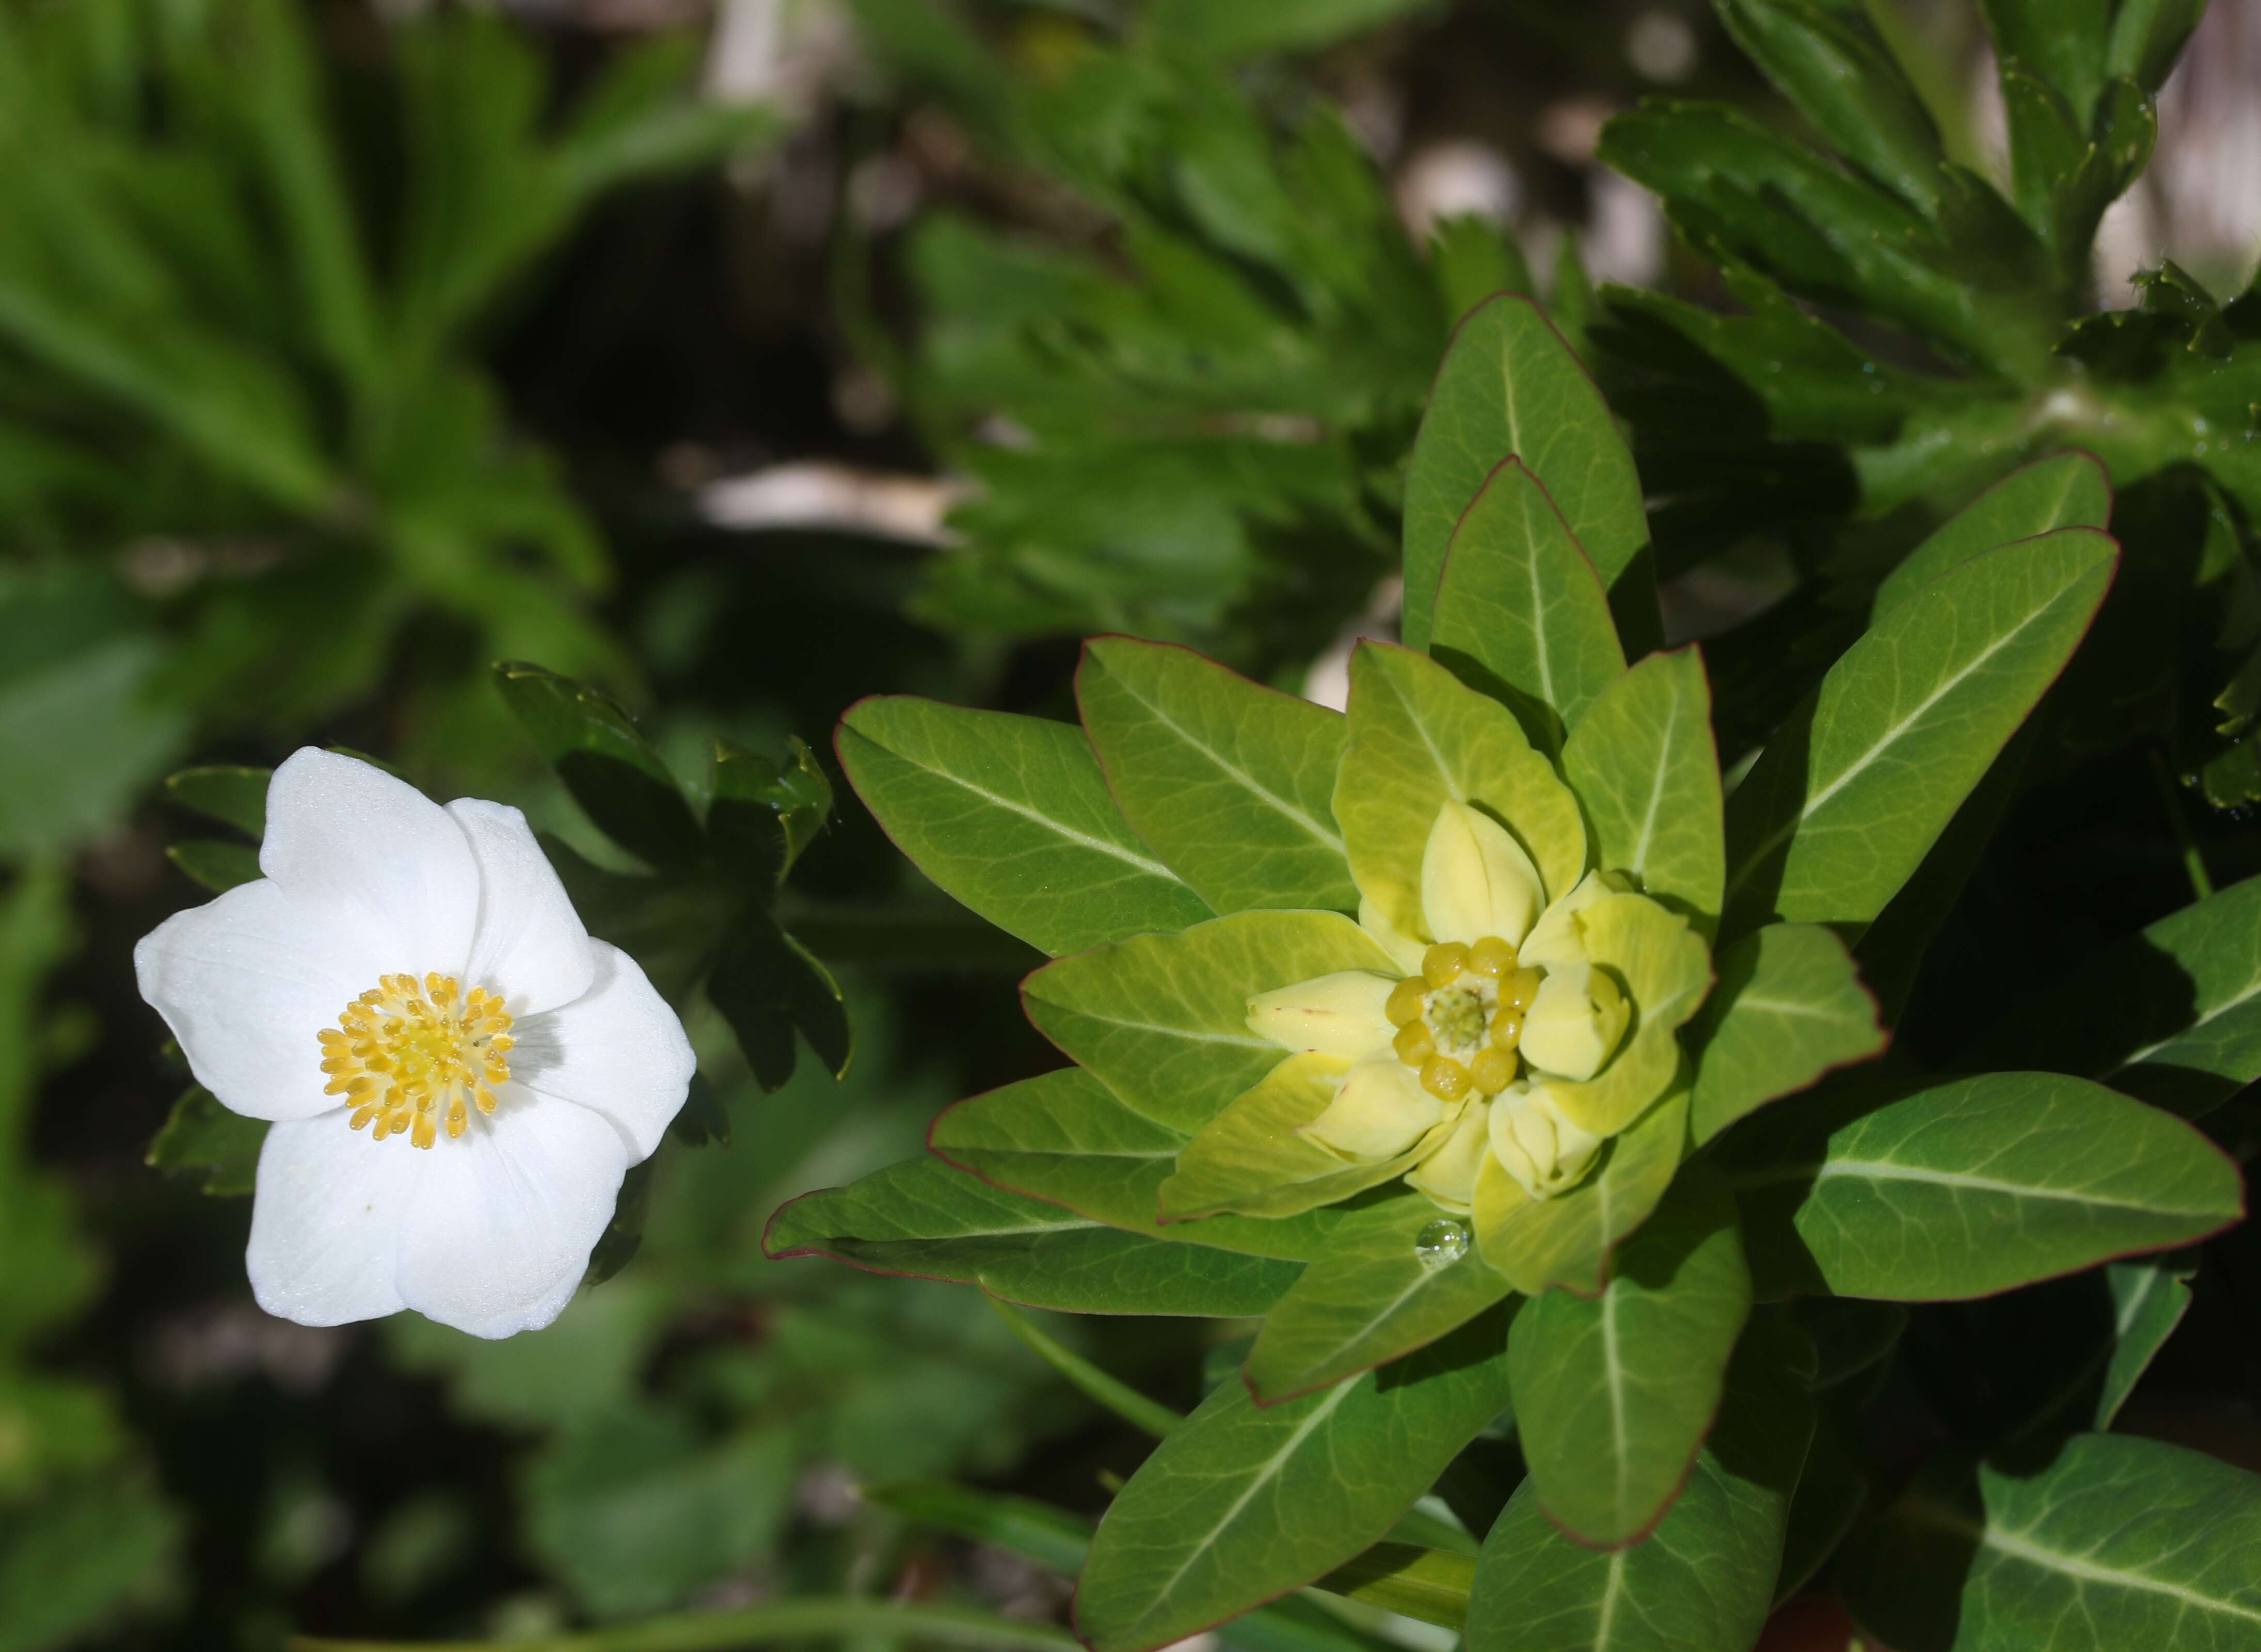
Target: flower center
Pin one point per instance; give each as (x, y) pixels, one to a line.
(1459, 1021)
(413, 1057)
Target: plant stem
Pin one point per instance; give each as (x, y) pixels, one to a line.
(1124, 1401)
(786, 1621)
(2193, 863)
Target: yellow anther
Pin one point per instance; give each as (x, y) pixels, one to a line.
(1443, 1078)
(1491, 1070)
(1414, 1043)
(1404, 1006)
(1442, 963)
(415, 1057)
(1520, 990)
(1507, 1028)
(1491, 958)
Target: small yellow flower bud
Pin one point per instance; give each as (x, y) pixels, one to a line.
(1491, 958)
(1492, 1070)
(1506, 1029)
(1414, 1044)
(1520, 990)
(1443, 1078)
(1404, 1006)
(1442, 963)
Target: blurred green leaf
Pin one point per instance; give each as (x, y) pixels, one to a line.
(232, 794)
(218, 1148)
(95, 1550)
(218, 866)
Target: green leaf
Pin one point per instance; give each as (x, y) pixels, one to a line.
(204, 1140)
(1011, 815)
(763, 816)
(1249, 28)
(1232, 783)
(2184, 1032)
(1849, 794)
(588, 1362)
(1969, 1187)
(1703, 1581)
(1420, 738)
(1520, 612)
(1243, 1504)
(1162, 1020)
(2149, 1296)
(1065, 1138)
(97, 1548)
(2065, 42)
(1614, 1393)
(2113, 1542)
(215, 865)
(768, 985)
(1567, 1240)
(1788, 1006)
(2148, 36)
(1254, 1160)
(923, 1218)
(613, 771)
(2067, 489)
(1509, 387)
(1830, 62)
(1371, 1295)
(80, 734)
(226, 792)
(1850, 1335)
(635, 1509)
(1643, 763)
(1832, 1488)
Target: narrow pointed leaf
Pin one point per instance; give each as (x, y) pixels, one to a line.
(1066, 1139)
(1520, 612)
(1703, 1580)
(2149, 1296)
(1643, 762)
(1163, 1019)
(1509, 387)
(1788, 1008)
(2112, 1542)
(1370, 1296)
(1232, 783)
(2067, 489)
(1011, 815)
(1614, 1393)
(1969, 1188)
(923, 1218)
(1853, 790)
(1243, 1504)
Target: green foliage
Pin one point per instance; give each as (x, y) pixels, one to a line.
(2109, 1541)
(1788, 1008)
(218, 331)
(203, 1140)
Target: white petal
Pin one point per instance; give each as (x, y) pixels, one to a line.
(1475, 880)
(326, 1220)
(618, 1049)
(505, 1218)
(345, 835)
(246, 982)
(1335, 1015)
(1380, 1111)
(529, 944)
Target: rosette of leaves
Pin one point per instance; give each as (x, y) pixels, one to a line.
(1210, 408)
(1246, 894)
(1905, 331)
(700, 918)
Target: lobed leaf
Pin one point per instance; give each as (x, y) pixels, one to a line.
(613, 771)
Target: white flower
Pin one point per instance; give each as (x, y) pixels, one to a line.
(458, 1073)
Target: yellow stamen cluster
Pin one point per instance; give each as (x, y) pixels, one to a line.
(412, 1058)
(1459, 1021)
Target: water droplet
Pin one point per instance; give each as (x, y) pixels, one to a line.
(1441, 1244)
